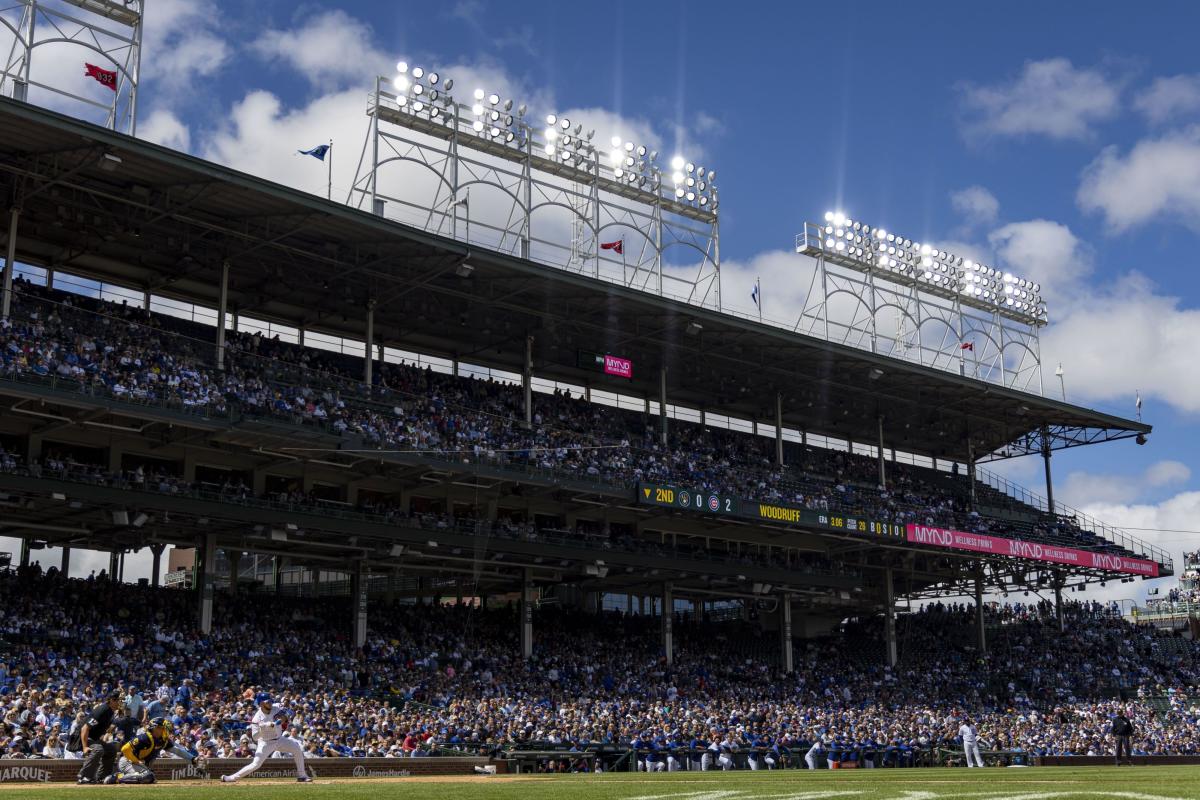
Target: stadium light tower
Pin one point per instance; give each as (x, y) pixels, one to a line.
(952, 312)
(106, 34)
(614, 188)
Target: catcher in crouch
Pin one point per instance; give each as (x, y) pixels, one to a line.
(139, 753)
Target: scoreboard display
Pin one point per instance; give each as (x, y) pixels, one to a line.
(720, 504)
(687, 500)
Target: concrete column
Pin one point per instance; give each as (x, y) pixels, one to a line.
(204, 579)
(641, 605)
(662, 399)
(779, 429)
(882, 460)
(10, 263)
(889, 619)
(24, 562)
(368, 360)
(65, 566)
(785, 632)
(981, 638)
(358, 591)
(316, 581)
(121, 568)
(526, 613)
(1046, 458)
(527, 381)
(222, 310)
(629, 605)
(668, 621)
(156, 550)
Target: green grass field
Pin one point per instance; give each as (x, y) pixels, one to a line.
(1130, 783)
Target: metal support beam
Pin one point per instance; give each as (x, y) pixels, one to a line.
(779, 428)
(971, 474)
(24, 562)
(981, 639)
(358, 591)
(526, 613)
(882, 460)
(121, 568)
(114, 565)
(235, 564)
(10, 263)
(65, 566)
(527, 381)
(208, 560)
(662, 399)
(156, 550)
(368, 361)
(785, 632)
(668, 621)
(889, 617)
(1058, 604)
(1049, 481)
(222, 310)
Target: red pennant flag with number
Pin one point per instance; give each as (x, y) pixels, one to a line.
(967, 346)
(105, 77)
(618, 246)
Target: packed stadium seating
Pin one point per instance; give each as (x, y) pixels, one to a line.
(131, 356)
(436, 678)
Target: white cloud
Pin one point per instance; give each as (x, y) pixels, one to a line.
(182, 43)
(1167, 519)
(1086, 488)
(1045, 251)
(1049, 98)
(330, 50)
(1127, 338)
(1159, 177)
(163, 127)
(1168, 98)
(976, 205)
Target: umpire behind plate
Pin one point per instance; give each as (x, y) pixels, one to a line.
(139, 752)
(99, 755)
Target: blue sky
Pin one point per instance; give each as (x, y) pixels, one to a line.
(1063, 144)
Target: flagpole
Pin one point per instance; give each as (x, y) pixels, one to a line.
(329, 184)
(758, 286)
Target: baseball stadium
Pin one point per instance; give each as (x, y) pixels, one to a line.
(467, 477)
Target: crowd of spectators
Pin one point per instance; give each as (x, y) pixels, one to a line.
(131, 354)
(434, 678)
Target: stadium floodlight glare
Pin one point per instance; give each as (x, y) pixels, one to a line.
(854, 243)
(423, 100)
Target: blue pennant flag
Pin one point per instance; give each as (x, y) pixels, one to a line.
(754, 295)
(317, 152)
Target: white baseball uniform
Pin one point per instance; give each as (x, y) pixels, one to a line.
(970, 738)
(268, 729)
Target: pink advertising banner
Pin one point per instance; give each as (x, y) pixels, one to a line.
(621, 367)
(982, 543)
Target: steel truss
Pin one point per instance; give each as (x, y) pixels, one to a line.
(111, 29)
(517, 191)
(893, 315)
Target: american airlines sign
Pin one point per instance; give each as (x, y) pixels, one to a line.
(1034, 551)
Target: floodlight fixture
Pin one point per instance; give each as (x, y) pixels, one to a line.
(418, 73)
(479, 93)
(401, 67)
(857, 244)
(677, 163)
